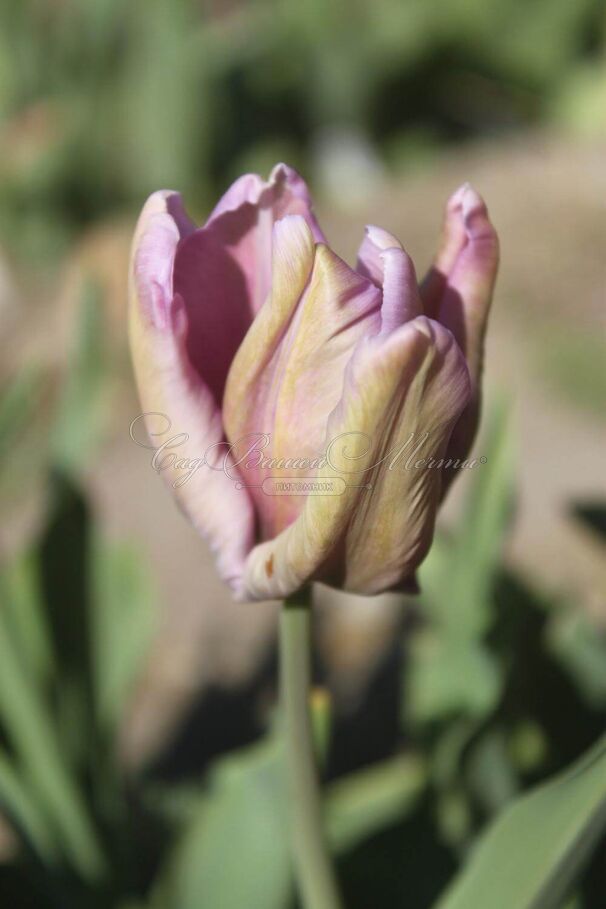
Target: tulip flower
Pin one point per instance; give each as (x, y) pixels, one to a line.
(252, 328)
(301, 385)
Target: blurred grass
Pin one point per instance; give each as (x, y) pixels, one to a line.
(500, 687)
(572, 362)
(102, 103)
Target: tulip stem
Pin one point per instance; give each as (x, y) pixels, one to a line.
(313, 867)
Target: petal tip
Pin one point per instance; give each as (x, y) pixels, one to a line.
(169, 202)
(475, 218)
(423, 326)
(455, 201)
(381, 238)
(282, 173)
(472, 202)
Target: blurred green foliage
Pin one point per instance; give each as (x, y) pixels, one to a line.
(500, 688)
(102, 102)
(572, 362)
(532, 853)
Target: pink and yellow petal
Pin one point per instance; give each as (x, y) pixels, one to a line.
(458, 291)
(382, 259)
(292, 362)
(459, 287)
(390, 535)
(328, 541)
(243, 220)
(170, 386)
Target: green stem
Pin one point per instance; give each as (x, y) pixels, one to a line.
(313, 867)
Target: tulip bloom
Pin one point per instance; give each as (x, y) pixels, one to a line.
(252, 327)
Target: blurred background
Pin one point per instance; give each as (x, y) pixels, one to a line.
(139, 765)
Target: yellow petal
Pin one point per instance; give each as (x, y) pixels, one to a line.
(372, 540)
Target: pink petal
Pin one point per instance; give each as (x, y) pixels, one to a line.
(215, 295)
(223, 270)
(458, 288)
(382, 259)
(376, 241)
(170, 385)
(373, 540)
(390, 536)
(243, 221)
(458, 291)
(288, 374)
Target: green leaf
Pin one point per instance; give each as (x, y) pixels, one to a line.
(81, 408)
(448, 677)
(321, 710)
(20, 806)
(235, 851)
(123, 621)
(491, 776)
(28, 724)
(532, 855)
(64, 560)
(450, 671)
(24, 615)
(23, 433)
(580, 647)
(17, 406)
(371, 799)
(457, 576)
